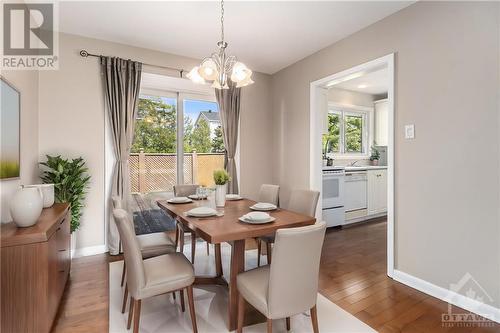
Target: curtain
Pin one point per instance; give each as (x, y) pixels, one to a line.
(229, 112)
(122, 80)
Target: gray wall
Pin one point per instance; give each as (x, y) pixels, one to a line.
(447, 70)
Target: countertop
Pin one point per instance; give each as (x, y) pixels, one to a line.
(356, 168)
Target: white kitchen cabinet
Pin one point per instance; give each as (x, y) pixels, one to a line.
(381, 123)
(377, 191)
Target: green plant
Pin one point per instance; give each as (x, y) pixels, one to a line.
(375, 155)
(221, 177)
(70, 179)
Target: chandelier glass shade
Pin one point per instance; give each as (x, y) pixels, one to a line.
(220, 67)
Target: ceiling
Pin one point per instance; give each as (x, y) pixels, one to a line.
(373, 83)
(267, 36)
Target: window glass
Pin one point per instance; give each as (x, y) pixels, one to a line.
(353, 125)
(331, 141)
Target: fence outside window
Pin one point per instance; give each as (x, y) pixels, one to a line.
(152, 172)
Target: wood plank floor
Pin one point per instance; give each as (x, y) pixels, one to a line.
(352, 275)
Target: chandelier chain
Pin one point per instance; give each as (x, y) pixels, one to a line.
(222, 19)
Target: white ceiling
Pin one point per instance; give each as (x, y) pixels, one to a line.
(371, 83)
(267, 36)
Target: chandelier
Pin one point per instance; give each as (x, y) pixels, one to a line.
(220, 67)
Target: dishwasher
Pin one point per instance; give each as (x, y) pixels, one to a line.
(355, 190)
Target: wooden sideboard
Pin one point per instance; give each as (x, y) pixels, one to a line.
(35, 265)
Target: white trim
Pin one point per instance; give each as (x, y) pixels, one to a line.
(89, 251)
(448, 296)
(350, 106)
(316, 126)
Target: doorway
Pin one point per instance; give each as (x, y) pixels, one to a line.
(347, 132)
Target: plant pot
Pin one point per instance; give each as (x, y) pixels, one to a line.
(47, 193)
(220, 195)
(374, 162)
(26, 206)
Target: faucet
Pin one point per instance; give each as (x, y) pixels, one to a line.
(354, 163)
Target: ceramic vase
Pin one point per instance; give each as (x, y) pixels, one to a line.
(374, 162)
(220, 195)
(26, 206)
(47, 193)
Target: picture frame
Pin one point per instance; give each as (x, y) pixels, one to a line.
(10, 131)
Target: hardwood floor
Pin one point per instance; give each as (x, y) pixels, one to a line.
(352, 275)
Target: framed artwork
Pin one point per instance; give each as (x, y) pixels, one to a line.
(10, 124)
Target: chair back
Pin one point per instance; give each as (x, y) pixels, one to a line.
(269, 193)
(185, 189)
(303, 202)
(117, 202)
(136, 277)
(293, 279)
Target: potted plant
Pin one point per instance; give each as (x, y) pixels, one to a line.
(70, 179)
(375, 156)
(221, 177)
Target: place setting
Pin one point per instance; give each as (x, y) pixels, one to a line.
(179, 200)
(257, 218)
(203, 212)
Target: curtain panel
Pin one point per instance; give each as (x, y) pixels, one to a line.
(122, 80)
(229, 112)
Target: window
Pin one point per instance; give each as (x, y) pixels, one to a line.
(347, 132)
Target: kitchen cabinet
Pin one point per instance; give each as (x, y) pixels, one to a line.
(377, 191)
(381, 123)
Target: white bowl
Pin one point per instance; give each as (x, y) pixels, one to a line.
(257, 216)
(202, 212)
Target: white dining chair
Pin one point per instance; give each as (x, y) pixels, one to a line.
(270, 194)
(302, 202)
(289, 285)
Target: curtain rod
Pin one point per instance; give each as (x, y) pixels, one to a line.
(86, 54)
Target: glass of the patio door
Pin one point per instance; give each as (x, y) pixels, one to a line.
(153, 158)
(203, 144)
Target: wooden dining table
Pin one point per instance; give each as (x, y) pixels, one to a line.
(227, 228)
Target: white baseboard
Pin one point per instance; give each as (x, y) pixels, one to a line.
(448, 296)
(88, 251)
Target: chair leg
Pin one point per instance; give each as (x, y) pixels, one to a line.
(269, 250)
(137, 315)
(173, 295)
(191, 308)
(130, 312)
(193, 246)
(241, 313)
(259, 244)
(123, 273)
(269, 325)
(314, 319)
(208, 249)
(287, 323)
(183, 307)
(125, 296)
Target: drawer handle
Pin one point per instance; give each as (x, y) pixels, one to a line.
(63, 250)
(62, 271)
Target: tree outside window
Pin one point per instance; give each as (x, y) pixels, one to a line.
(347, 132)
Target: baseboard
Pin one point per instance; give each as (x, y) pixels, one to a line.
(88, 251)
(449, 296)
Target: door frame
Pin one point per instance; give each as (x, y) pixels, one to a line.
(316, 122)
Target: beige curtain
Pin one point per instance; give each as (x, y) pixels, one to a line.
(229, 111)
(122, 80)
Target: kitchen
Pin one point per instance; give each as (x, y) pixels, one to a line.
(355, 145)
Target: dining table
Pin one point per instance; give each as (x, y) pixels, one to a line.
(226, 227)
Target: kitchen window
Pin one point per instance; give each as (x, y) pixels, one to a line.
(347, 132)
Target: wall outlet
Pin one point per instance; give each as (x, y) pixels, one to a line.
(409, 131)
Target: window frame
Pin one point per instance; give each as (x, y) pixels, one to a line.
(366, 132)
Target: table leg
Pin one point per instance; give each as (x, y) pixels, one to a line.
(237, 266)
(218, 261)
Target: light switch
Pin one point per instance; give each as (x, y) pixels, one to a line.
(409, 131)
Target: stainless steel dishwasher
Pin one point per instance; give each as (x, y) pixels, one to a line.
(356, 197)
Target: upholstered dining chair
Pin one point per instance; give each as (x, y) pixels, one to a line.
(302, 202)
(268, 193)
(181, 229)
(289, 285)
(151, 245)
(154, 276)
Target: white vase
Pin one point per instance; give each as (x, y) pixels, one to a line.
(220, 195)
(26, 206)
(47, 193)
